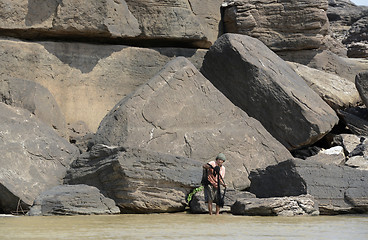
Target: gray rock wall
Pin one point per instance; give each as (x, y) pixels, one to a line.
(33, 158)
(255, 79)
(337, 189)
(141, 22)
(72, 200)
(89, 55)
(87, 80)
(139, 181)
(180, 112)
(281, 25)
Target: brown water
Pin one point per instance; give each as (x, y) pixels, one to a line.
(184, 226)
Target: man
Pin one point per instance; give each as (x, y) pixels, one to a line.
(215, 176)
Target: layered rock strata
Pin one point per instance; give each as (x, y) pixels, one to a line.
(139, 181)
(281, 25)
(131, 22)
(337, 189)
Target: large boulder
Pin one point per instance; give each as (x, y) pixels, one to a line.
(139, 181)
(327, 61)
(36, 99)
(266, 87)
(180, 112)
(334, 155)
(281, 25)
(87, 80)
(358, 50)
(337, 92)
(72, 200)
(34, 158)
(277, 206)
(335, 188)
(361, 83)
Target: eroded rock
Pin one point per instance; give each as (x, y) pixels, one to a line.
(138, 23)
(72, 200)
(281, 206)
(180, 112)
(139, 181)
(361, 83)
(87, 80)
(281, 25)
(339, 93)
(327, 61)
(328, 184)
(255, 79)
(36, 99)
(34, 158)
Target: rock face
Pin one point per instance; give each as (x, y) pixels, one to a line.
(169, 19)
(139, 181)
(36, 99)
(357, 39)
(361, 83)
(348, 25)
(337, 92)
(358, 32)
(182, 113)
(72, 200)
(327, 61)
(281, 25)
(283, 206)
(54, 17)
(335, 188)
(34, 158)
(263, 85)
(342, 14)
(355, 120)
(87, 80)
(132, 22)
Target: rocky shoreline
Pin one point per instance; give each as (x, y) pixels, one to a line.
(112, 107)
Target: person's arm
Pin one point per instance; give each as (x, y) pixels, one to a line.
(222, 173)
(206, 166)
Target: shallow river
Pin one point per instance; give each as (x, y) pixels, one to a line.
(184, 226)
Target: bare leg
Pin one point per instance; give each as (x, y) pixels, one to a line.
(210, 207)
(217, 209)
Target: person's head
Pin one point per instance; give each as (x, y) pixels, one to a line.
(220, 159)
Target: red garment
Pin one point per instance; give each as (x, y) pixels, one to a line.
(212, 178)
